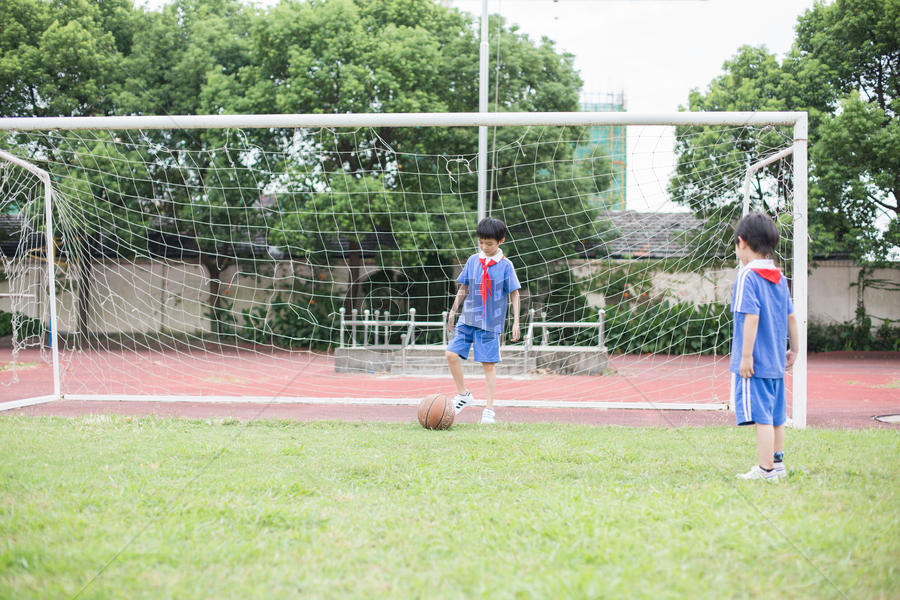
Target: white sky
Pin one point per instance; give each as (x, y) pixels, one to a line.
(655, 52)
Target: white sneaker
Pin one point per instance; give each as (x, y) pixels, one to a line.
(780, 470)
(757, 473)
(487, 417)
(460, 401)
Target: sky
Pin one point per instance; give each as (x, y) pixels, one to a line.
(654, 52)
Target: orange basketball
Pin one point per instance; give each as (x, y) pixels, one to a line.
(436, 412)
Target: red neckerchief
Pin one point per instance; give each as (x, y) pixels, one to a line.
(486, 280)
(765, 268)
(773, 275)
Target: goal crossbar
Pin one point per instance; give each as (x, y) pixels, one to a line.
(462, 119)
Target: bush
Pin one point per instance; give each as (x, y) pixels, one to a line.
(306, 322)
(853, 336)
(662, 328)
(28, 327)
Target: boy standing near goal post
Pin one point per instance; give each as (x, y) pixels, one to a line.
(763, 317)
(492, 279)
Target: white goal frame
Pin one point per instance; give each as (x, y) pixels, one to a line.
(797, 120)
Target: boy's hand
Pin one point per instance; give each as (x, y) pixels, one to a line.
(451, 316)
(746, 367)
(790, 358)
(515, 334)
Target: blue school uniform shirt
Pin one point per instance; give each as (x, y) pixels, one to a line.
(503, 282)
(753, 294)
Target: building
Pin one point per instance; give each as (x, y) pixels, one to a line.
(608, 140)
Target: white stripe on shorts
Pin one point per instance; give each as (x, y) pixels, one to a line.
(747, 405)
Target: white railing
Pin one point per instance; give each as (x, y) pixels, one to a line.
(380, 326)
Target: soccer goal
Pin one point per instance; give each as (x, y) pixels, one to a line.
(312, 258)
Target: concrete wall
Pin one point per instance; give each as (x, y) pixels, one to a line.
(832, 290)
(833, 300)
(150, 295)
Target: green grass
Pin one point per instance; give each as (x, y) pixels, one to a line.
(169, 508)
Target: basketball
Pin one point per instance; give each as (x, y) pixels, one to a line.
(436, 412)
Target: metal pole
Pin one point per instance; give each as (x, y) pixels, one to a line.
(471, 119)
(483, 108)
(748, 178)
(801, 138)
(51, 272)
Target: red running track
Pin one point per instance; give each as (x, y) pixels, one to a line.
(844, 389)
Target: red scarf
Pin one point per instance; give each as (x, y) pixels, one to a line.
(766, 269)
(773, 275)
(486, 281)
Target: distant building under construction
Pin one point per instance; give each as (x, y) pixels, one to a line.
(609, 140)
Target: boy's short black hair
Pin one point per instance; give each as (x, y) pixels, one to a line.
(491, 229)
(759, 231)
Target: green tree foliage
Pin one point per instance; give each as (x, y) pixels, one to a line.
(416, 187)
(62, 58)
(413, 188)
(845, 70)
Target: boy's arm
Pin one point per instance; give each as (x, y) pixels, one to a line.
(514, 298)
(751, 324)
(461, 294)
(792, 331)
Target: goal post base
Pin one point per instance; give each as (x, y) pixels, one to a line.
(374, 401)
(13, 404)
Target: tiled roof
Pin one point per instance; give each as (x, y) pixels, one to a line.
(650, 235)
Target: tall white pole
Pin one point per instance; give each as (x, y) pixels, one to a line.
(801, 287)
(483, 108)
(51, 273)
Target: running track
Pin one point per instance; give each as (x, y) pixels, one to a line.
(845, 390)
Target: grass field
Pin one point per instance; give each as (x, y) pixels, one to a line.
(156, 508)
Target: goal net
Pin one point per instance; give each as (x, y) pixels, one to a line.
(313, 258)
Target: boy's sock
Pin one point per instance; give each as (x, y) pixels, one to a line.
(779, 469)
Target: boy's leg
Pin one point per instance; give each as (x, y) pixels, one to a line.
(779, 417)
(779, 438)
(457, 349)
(490, 382)
(456, 371)
(780, 469)
(765, 445)
(490, 379)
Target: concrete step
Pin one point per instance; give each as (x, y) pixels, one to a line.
(422, 359)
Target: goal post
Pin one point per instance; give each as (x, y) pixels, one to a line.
(210, 256)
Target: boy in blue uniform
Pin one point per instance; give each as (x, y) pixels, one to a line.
(491, 278)
(763, 316)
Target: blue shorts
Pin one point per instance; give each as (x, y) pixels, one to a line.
(487, 343)
(758, 400)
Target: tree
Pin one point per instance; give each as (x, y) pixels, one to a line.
(61, 58)
(416, 55)
(412, 189)
(203, 190)
(845, 70)
(855, 166)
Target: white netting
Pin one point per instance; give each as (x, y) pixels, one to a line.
(217, 262)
